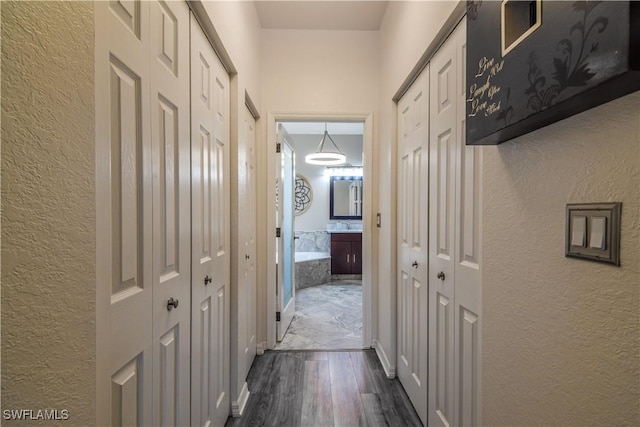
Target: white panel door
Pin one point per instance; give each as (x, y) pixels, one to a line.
(243, 319)
(210, 214)
(468, 256)
(285, 286)
(123, 214)
(454, 255)
(170, 133)
(247, 231)
(413, 302)
(443, 153)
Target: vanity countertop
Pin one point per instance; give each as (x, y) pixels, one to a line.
(343, 231)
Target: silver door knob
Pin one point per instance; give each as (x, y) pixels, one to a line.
(414, 264)
(172, 303)
(207, 280)
(440, 275)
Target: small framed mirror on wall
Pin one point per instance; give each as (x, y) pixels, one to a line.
(345, 197)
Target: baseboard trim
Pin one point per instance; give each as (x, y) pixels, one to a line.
(237, 407)
(389, 370)
(260, 348)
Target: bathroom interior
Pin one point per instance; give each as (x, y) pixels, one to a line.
(328, 238)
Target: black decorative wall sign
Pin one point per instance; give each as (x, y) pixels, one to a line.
(582, 54)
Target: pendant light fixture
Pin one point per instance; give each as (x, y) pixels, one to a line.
(328, 156)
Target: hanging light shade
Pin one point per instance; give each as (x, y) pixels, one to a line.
(326, 156)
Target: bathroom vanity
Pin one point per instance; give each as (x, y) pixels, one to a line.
(346, 252)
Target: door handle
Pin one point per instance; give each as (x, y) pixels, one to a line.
(348, 259)
(172, 303)
(247, 256)
(414, 264)
(207, 280)
(354, 258)
(441, 275)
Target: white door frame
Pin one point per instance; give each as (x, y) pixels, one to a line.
(368, 286)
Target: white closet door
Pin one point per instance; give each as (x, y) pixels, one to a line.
(210, 403)
(454, 255)
(443, 151)
(250, 228)
(413, 303)
(468, 256)
(243, 320)
(123, 214)
(170, 132)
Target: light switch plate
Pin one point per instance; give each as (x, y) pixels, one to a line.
(601, 240)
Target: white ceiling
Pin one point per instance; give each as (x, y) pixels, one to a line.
(317, 128)
(321, 15)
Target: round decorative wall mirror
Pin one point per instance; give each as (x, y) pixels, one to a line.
(303, 195)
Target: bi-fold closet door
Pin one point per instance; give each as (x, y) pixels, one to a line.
(453, 328)
(210, 346)
(455, 247)
(144, 225)
(413, 244)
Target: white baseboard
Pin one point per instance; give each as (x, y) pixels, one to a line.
(261, 347)
(237, 407)
(389, 370)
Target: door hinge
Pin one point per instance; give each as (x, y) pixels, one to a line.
(278, 232)
(277, 316)
(278, 147)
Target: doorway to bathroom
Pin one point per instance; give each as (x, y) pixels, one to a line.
(322, 292)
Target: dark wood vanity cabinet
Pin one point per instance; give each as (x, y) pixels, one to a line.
(346, 253)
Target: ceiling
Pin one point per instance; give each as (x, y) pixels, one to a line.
(321, 15)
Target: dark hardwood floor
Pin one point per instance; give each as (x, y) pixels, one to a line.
(324, 388)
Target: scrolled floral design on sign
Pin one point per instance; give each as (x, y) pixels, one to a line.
(472, 9)
(568, 72)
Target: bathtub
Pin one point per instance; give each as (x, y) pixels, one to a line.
(312, 268)
(310, 256)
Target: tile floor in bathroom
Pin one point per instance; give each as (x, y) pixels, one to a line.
(328, 317)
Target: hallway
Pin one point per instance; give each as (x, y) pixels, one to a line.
(311, 388)
(140, 170)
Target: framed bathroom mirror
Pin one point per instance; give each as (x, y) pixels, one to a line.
(345, 197)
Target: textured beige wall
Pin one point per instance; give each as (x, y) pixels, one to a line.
(561, 336)
(319, 71)
(48, 213)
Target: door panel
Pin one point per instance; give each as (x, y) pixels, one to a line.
(285, 287)
(468, 271)
(356, 250)
(340, 257)
(469, 366)
(123, 214)
(125, 394)
(251, 248)
(443, 358)
(444, 148)
(413, 136)
(170, 131)
(210, 193)
(455, 291)
(243, 300)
